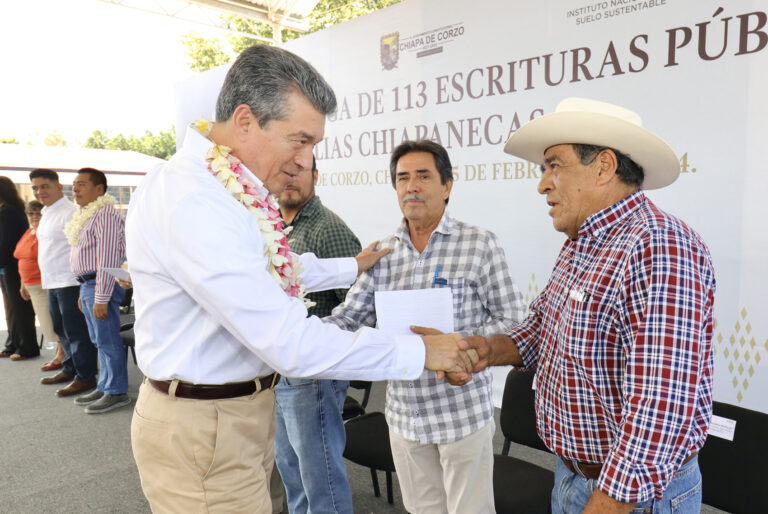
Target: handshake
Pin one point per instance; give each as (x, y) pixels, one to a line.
(453, 357)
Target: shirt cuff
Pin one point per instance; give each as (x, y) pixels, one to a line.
(411, 355)
(629, 482)
(348, 269)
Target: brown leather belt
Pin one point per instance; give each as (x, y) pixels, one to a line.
(216, 392)
(592, 471)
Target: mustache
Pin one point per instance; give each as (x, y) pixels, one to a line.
(414, 197)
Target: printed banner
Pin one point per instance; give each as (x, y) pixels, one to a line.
(469, 74)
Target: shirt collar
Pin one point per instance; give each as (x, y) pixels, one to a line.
(613, 215)
(446, 224)
(55, 205)
(198, 145)
(310, 209)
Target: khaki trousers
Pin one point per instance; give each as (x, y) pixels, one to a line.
(204, 455)
(454, 478)
(39, 298)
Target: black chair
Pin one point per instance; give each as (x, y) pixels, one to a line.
(129, 340)
(126, 306)
(518, 485)
(733, 473)
(353, 408)
(368, 445)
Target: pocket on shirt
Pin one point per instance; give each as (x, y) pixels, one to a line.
(588, 315)
(457, 291)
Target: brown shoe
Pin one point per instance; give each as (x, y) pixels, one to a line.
(58, 378)
(17, 357)
(76, 387)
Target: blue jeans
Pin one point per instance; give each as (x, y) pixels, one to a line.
(113, 372)
(309, 443)
(69, 324)
(682, 496)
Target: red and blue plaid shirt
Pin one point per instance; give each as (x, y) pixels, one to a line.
(621, 335)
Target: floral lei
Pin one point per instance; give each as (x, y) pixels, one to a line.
(283, 267)
(75, 225)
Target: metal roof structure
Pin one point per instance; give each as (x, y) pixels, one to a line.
(123, 167)
(280, 14)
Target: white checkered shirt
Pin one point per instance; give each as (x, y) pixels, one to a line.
(473, 265)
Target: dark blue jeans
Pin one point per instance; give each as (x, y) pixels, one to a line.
(69, 325)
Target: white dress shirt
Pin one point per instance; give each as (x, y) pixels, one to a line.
(207, 310)
(53, 247)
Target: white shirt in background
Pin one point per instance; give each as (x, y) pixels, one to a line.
(53, 247)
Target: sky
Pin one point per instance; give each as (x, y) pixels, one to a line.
(74, 66)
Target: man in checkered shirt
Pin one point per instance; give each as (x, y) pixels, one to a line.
(441, 435)
(622, 332)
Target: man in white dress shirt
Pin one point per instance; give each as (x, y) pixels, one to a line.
(213, 324)
(79, 365)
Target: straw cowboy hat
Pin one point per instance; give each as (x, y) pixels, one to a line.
(584, 121)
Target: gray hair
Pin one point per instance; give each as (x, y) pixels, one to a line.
(262, 76)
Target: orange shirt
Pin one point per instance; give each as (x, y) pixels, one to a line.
(26, 253)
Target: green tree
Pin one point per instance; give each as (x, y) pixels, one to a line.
(162, 145)
(55, 139)
(209, 53)
(9, 141)
(204, 53)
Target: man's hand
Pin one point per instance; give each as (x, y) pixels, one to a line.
(100, 311)
(23, 292)
(600, 502)
(80, 304)
(125, 284)
(468, 358)
(369, 257)
(482, 347)
(479, 349)
(443, 354)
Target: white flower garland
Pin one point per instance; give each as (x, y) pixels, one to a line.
(75, 225)
(284, 267)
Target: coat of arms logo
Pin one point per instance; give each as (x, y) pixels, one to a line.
(390, 51)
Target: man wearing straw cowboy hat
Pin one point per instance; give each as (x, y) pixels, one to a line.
(621, 334)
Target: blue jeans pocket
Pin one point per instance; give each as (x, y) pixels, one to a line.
(687, 502)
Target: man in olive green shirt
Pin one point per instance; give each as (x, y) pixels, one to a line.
(310, 436)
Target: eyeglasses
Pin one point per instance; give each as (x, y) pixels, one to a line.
(34, 213)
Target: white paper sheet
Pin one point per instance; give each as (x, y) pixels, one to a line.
(118, 273)
(396, 311)
(722, 427)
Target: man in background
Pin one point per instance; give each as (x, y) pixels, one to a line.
(310, 436)
(441, 435)
(98, 242)
(79, 364)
